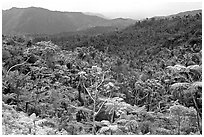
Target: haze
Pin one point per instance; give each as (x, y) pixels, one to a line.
(136, 9)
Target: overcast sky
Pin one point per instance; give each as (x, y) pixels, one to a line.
(136, 9)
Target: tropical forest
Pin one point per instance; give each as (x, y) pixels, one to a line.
(144, 79)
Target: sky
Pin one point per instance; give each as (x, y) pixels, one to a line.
(135, 9)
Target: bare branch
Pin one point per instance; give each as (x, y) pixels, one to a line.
(88, 93)
(102, 105)
(17, 65)
(101, 81)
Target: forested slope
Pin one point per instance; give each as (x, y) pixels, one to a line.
(34, 20)
(146, 79)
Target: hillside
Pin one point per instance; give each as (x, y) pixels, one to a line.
(140, 39)
(145, 79)
(181, 14)
(186, 13)
(38, 20)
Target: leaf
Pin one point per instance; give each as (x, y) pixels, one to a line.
(41, 121)
(109, 104)
(120, 99)
(194, 87)
(33, 116)
(136, 109)
(178, 110)
(132, 125)
(111, 84)
(103, 99)
(195, 67)
(81, 73)
(162, 131)
(104, 129)
(84, 109)
(105, 122)
(113, 127)
(121, 121)
(196, 84)
(25, 120)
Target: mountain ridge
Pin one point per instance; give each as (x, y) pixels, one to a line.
(180, 14)
(40, 20)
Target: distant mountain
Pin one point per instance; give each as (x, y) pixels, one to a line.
(38, 20)
(192, 13)
(145, 39)
(180, 14)
(95, 14)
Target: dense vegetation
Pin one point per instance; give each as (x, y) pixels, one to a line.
(146, 79)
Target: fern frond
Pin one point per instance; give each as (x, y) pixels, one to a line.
(197, 84)
(194, 87)
(105, 122)
(136, 109)
(104, 129)
(113, 127)
(180, 85)
(177, 68)
(122, 121)
(195, 67)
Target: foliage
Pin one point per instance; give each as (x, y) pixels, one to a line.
(127, 82)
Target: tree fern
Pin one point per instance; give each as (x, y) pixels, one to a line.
(177, 68)
(179, 85)
(194, 86)
(195, 67)
(180, 68)
(180, 115)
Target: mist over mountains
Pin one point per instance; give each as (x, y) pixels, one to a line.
(35, 20)
(38, 20)
(69, 73)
